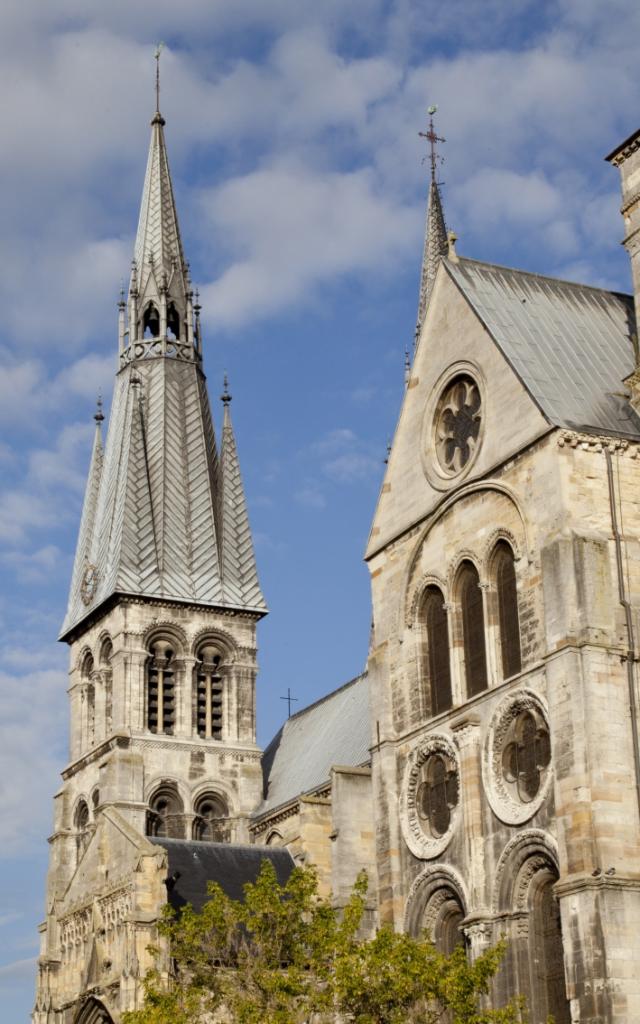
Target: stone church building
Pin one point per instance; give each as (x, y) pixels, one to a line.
(485, 768)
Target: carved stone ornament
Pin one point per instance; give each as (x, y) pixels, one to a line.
(457, 424)
(89, 584)
(453, 425)
(430, 797)
(516, 763)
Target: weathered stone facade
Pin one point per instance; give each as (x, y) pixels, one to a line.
(486, 769)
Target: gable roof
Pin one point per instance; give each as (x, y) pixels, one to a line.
(333, 731)
(193, 864)
(570, 344)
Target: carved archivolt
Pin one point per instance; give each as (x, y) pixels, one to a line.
(168, 628)
(417, 591)
(418, 838)
(501, 533)
(216, 636)
(433, 887)
(531, 851)
(502, 794)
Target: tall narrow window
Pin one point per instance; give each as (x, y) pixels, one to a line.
(166, 813)
(211, 823)
(161, 699)
(505, 577)
(81, 822)
(437, 666)
(209, 693)
(475, 658)
(151, 322)
(548, 992)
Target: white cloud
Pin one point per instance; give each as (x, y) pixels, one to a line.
(33, 711)
(17, 971)
(310, 496)
(292, 228)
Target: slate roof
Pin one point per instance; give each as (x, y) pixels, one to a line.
(333, 731)
(570, 344)
(163, 515)
(230, 865)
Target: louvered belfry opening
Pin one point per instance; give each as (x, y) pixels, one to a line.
(475, 655)
(507, 593)
(209, 693)
(437, 661)
(161, 697)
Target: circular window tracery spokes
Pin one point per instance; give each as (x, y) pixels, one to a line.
(526, 755)
(457, 423)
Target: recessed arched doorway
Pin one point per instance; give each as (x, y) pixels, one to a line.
(92, 1012)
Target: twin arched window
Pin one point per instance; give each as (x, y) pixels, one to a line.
(166, 817)
(434, 618)
(161, 689)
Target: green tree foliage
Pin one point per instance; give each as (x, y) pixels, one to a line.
(285, 957)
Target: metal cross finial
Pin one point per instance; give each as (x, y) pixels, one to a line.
(226, 398)
(432, 139)
(289, 699)
(156, 55)
(99, 415)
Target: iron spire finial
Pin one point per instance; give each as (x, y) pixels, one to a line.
(159, 49)
(433, 140)
(99, 415)
(225, 396)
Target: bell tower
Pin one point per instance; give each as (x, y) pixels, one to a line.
(161, 627)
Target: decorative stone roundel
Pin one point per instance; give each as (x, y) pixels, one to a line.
(89, 584)
(457, 424)
(430, 797)
(516, 765)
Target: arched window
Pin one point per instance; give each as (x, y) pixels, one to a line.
(106, 651)
(89, 696)
(546, 962)
(211, 823)
(161, 697)
(475, 658)
(274, 839)
(173, 322)
(87, 666)
(507, 597)
(150, 322)
(447, 933)
(166, 813)
(437, 667)
(209, 694)
(81, 825)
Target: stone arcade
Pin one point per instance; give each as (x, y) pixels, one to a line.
(485, 768)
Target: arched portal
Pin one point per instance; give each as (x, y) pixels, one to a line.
(92, 1012)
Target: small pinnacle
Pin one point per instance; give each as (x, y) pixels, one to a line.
(386, 459)
(225, 396)
(197, 306)
(121, 302)
(98, 415)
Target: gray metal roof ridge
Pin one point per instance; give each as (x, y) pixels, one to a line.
(538, 275)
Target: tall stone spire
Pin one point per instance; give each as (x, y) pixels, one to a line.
(435, 238)
(82, 580)
(239, 570)
(155, 516)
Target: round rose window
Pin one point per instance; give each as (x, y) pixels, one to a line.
(436, 796)
(457, 424)
(526, 755)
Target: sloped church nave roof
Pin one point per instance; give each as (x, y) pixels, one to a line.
(570, 344)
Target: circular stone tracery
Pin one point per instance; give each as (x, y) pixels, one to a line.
(430, 797)
(517, 758)
(457, 423)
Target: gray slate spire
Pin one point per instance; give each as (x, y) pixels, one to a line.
(435, 236)
(239, 570)
(154, 514)
(82, 563)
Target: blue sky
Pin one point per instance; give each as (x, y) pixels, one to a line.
(292, 132)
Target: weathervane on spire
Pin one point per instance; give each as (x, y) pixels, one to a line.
(225, 396)
(433, 140)
(159, 49)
